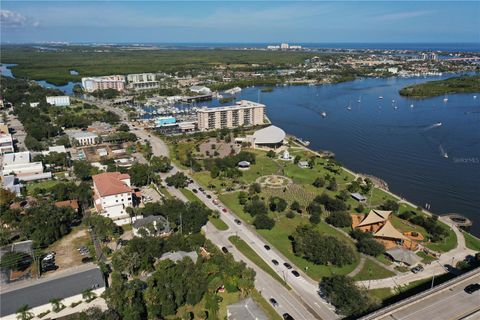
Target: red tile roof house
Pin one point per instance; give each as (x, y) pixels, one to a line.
(112, 193)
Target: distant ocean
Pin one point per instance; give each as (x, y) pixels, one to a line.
(447, 47)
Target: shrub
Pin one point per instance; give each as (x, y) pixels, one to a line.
(262, 221)
(290, 214)
(340, 219)
(370, 246)
(319, 182)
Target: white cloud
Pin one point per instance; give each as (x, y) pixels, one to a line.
(11, 19)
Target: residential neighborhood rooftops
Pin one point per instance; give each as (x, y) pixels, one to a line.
(16, 158)
(111, 183)
(42, 291)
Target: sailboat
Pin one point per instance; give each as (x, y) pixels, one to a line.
(323, 114)
(359, 99)
(474, 97)
(349, 107)
(445, 99)
(411, 106)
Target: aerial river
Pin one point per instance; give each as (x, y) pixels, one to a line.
(428, 151)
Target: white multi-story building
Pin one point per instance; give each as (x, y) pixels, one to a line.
(19, 165)
(284, 46)
(143, 81)
(115, 82)
(112, 193)
(59, 101)
(6, 140)
(244, 113)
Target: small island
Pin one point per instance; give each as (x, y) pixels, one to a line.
(464, 84)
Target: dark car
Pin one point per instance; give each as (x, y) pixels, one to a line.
(449, 268)
(286, 316)
(417, 269)
(209, 196)
(295, 273)
(201, 189)
(225, 250)
(267, 247)
(273, 302)
(238, 221)
(224, 210)
(275, 262)
(471, 288)
(194, 190)
(287, 265)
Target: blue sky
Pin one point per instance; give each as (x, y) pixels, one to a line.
(240, 21)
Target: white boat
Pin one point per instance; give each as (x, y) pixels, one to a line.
(359, 99)
(411, 106)
(380, 97)
(393, 100)
(474, 97)
(324, 114)
(445, 99)
(438, 124)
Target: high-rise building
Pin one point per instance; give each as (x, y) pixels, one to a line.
(115, 82)
(244, 113)
(143, 81)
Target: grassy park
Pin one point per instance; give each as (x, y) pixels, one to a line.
(298, 184)
(372, 270)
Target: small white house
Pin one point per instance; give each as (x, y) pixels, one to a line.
(59, 101)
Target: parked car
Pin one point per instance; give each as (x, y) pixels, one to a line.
(225, 250)
(194, 190)
(209, 196)
(287, 265)
(286, 316)
(267, 247)
(471, 288)
(238, 221)
(273, 302)
(295, 273)
(417, 269)
(275, 262)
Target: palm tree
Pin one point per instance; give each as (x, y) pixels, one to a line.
(56, 304)
(23, 313)
(88, 295)
(131, 213)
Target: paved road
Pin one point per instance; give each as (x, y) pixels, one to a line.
(42, 291)
(448, 304)
(288, 302)
(303, 285)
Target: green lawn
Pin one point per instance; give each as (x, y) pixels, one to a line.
(372, 270)
(284, 227)
(425, 257)
(248, 252)
(384, 259)
(47, 184)
(447, 244)
(382, 293)
(189, 195)
(165, 192)
(471, 241)
(218, 223)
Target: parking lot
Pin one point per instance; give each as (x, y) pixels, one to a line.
(150, 195)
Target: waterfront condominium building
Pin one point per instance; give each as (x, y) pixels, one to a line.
(116, 82)
(142, 81)
(244, 113)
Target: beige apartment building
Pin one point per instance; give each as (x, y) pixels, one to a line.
(116, 82)
(244, 113)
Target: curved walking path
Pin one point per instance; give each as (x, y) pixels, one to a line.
(358, 268)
